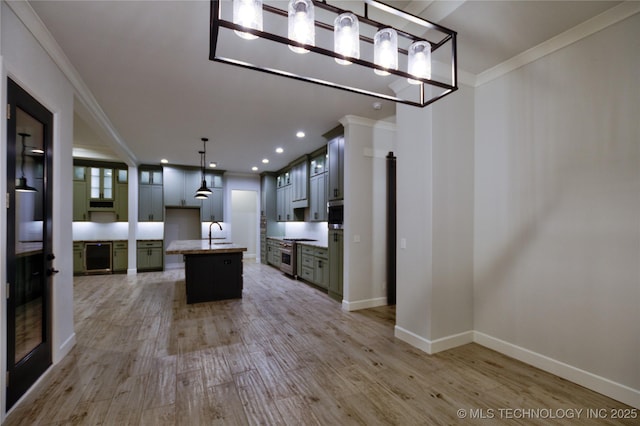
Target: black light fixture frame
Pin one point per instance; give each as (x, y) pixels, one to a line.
(450, 36)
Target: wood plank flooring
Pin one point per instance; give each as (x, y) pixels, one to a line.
(285, 354)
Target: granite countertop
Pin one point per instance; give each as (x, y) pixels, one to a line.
(315, 243)
(318, 244)
(203, 247)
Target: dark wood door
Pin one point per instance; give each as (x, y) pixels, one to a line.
(29, 252)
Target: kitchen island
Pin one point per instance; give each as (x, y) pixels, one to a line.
(213, 271)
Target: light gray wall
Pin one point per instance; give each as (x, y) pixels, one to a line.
(453, 150)
(435, 222)
(557, 207)
(366, 145)
(26, 62)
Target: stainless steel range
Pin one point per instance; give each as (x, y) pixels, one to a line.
(288, 252)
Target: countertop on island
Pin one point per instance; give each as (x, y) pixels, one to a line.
(203, 247)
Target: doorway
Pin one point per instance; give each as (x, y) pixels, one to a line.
(29, 250)
(180, 224)
(244, 220)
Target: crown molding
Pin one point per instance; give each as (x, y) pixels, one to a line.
(580, 31)
(40, 32)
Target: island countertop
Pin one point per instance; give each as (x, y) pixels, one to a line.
(203, 247)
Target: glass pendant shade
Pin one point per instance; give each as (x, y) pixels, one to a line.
(302, 24)
(248, 13)
(346, 37)
(23, 186)
(385, 50)
(419, 61)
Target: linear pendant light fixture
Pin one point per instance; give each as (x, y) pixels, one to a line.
(251, 34)
(203, 192)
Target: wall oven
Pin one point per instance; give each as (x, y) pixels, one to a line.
(335, 214)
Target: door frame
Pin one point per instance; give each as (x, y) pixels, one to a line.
(23, 375)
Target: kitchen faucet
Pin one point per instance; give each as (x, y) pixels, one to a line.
(212, 223)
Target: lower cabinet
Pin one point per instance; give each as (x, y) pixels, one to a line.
(78, 258)
(120, 260)
(150, 256)
(336, 253)
(274, 257)
(213, 277)
(314, 265)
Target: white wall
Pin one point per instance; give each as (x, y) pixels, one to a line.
(25, 62)
(557, 212)
(366, 146)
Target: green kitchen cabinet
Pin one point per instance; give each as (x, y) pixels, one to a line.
(150, 255)
(336, 263)
(78, 258)
(313, 265)
(274, 256)
(120, 261)
(122, 195)
(80, 195)
(318, 198)
(101, 186)
(212, 209)
(180, 186)
(300, 183)
(150, 195)
(335, 160)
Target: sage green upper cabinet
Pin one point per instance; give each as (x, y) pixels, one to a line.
(150, 205)
(318, 198)
(80, 195)
(212, 208)
(122, 195)
(101, 183)
(180, 186)
(300, 182)
(318, 188)
(335, 162)
(283, 197)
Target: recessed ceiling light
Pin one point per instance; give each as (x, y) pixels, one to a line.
(254, 168)
(279, 150)
(213, 165)
(265, 160)
(300, 134)
(164, 161)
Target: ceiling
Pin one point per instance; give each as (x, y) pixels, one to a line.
(146, 64)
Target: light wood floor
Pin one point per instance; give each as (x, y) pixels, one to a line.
(285, 354)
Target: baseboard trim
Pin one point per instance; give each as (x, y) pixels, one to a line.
(64, 348)
(584, 378)
(433, 346)
(363, 304)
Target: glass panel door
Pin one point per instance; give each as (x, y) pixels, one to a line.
(28, 258)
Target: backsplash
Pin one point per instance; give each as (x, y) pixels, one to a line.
(314, 230)
(94, 231)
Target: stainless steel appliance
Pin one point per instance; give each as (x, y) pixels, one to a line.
(288, 251)
(97, 257)
(335, 214)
